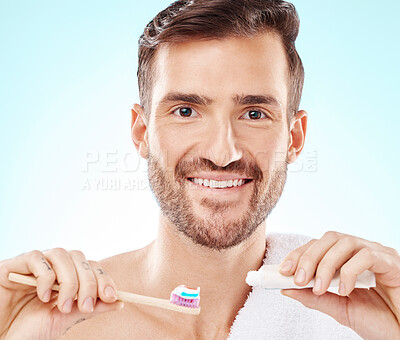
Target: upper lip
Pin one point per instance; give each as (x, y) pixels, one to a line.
(218, 177)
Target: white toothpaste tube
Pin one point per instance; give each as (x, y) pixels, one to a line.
(269, 277)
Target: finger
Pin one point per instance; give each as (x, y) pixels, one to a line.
(34, 263)
(366, 259)
(350, 270)
(330, 237)
(67, 278)
(106, 287)
(87, 293)
(310, 252)
(311, 257)
(289, 263)
(334, 259)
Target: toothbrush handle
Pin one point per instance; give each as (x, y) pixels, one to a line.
(121, 296)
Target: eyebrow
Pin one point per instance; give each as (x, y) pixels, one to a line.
(256, 99)
(186, 97)
(203, 100)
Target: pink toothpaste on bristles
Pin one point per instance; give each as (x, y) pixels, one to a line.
(185, 296)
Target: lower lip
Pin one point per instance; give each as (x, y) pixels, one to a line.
(226, 190)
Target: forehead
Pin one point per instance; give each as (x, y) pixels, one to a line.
(222, 68)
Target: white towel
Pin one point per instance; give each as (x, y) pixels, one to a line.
(267, 314)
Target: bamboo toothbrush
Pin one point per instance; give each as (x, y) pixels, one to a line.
(183, 299)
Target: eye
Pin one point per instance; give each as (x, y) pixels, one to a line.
(185, 112)
(254, 115)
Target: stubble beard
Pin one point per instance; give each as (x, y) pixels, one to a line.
(214, 230)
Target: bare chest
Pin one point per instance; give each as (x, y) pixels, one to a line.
(130, 324)
(119, 325)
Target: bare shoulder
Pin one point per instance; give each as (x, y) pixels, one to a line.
(114, 262)
(126, 269)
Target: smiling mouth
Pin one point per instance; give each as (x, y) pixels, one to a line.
(210, 183)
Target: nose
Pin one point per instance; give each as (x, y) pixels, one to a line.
(222, 145)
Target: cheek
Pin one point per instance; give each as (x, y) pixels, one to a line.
(270, 159)
(166, 146)
(269, 152)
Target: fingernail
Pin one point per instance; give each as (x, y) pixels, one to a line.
(342, 288)
(110, 292)
(317, 284)
(88, 305)
(300, 276)
(285, 267)
(67, 306)
(46, 295)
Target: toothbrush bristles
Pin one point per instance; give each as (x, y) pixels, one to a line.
(185, 297)
(180, 301)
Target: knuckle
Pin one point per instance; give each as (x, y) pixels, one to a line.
(307, 258)
(77, 253)
(376, 244)
(91, 285)
(324, 267)
(345, 272)
(392, 262)
(58, 251)
(393, 251)
(331, 234)
(35, 254)
(368, 252)
(349, 241)
(70, 285)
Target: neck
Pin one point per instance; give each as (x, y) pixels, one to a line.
(173, 259)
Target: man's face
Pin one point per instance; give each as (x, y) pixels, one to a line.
(218, 136)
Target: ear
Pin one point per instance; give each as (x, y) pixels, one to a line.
(298, 128)
(139, 130)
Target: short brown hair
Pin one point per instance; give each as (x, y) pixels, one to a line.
(187, 20)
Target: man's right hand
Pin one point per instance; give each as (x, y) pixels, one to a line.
(38, 312)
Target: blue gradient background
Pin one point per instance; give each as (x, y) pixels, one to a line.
(67, 81)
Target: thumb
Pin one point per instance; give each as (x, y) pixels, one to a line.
(329, 303)
(64, 322)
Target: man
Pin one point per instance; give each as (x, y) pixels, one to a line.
(220, 84)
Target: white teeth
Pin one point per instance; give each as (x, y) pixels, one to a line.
(219, 184)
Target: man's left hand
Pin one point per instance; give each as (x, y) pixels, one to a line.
(372, 313)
